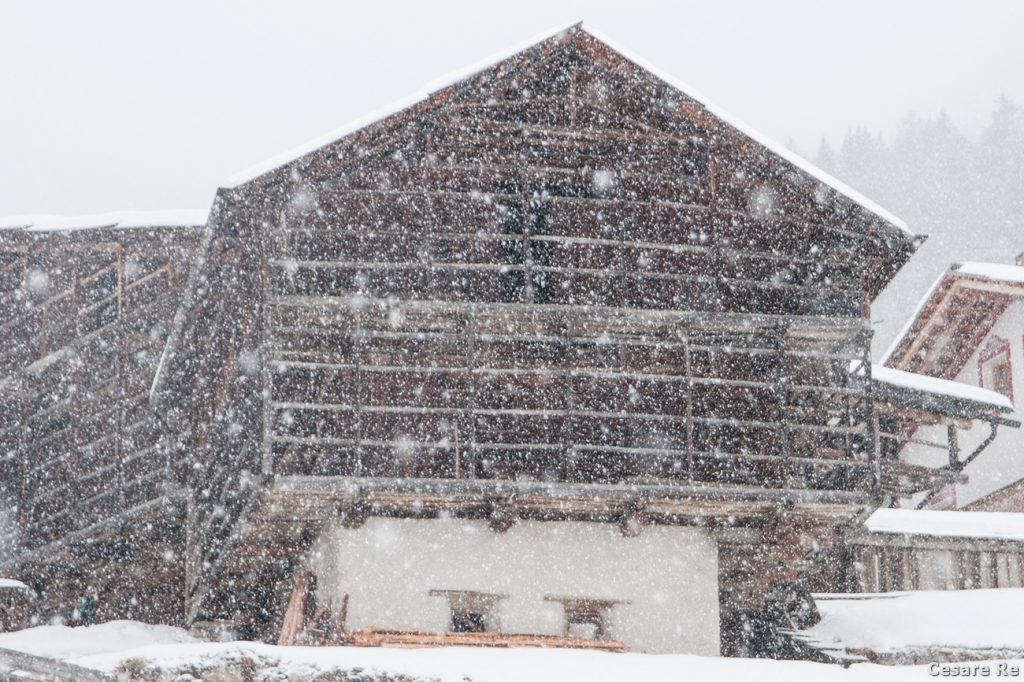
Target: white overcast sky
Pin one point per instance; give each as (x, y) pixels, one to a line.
(108, 105)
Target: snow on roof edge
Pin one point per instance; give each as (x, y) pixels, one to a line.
(803, 164)
(273, 163)
(116, 219)
(913, 318)
(765, 141)
(998, 272)
(977, 524)
(944, 387)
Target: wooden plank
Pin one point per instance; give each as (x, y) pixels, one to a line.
(413, 639)
(295, 615)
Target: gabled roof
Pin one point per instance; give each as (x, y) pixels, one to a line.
(254, 190)
(1009, 498)
(954, 317)
(434, 91)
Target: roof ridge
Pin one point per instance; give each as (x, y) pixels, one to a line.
(452, 80)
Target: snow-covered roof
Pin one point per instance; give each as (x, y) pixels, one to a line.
(948, 524)
(912, 319)
(898, 621)
(940, 387)
(117, 219)
(10, 584)
(997, 272)
(276, 161)
(762, 139)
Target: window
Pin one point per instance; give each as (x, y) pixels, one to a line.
(471, 611)
(540, 252)
(105, 285)
(586, 618)
(995, 370)
(468, 621)
(512, 280)
(519, 252)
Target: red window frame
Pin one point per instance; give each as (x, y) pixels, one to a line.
(994, 350)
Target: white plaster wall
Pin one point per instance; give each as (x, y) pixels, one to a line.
(669, 576)
(1002, 462)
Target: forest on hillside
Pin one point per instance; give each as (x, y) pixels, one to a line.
(965, 193)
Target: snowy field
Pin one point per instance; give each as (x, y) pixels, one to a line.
(169, 653)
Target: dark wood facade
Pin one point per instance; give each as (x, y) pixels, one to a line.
(559, 288)
(84, 318)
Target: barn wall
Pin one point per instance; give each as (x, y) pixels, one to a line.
(666, 577)
(485, 288)
(84, 317)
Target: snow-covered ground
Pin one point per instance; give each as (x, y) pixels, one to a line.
(63, 642)
(107, 647)
(900, 621)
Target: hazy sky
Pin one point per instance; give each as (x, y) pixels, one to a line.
(108, 105)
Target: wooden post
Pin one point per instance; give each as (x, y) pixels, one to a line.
(295, 615)
(954, 445)
(338, 626)
(318, 629)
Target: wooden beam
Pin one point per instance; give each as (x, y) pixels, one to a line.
(295, 615)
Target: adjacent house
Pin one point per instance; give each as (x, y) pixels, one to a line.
(970, 329)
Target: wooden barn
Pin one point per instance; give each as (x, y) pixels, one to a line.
(556, 350)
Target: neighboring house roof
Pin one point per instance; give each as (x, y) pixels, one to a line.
(943, 396)
(1009, 498)
(995, 272)
(954, 318)
(119, 219)
(948, 524)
